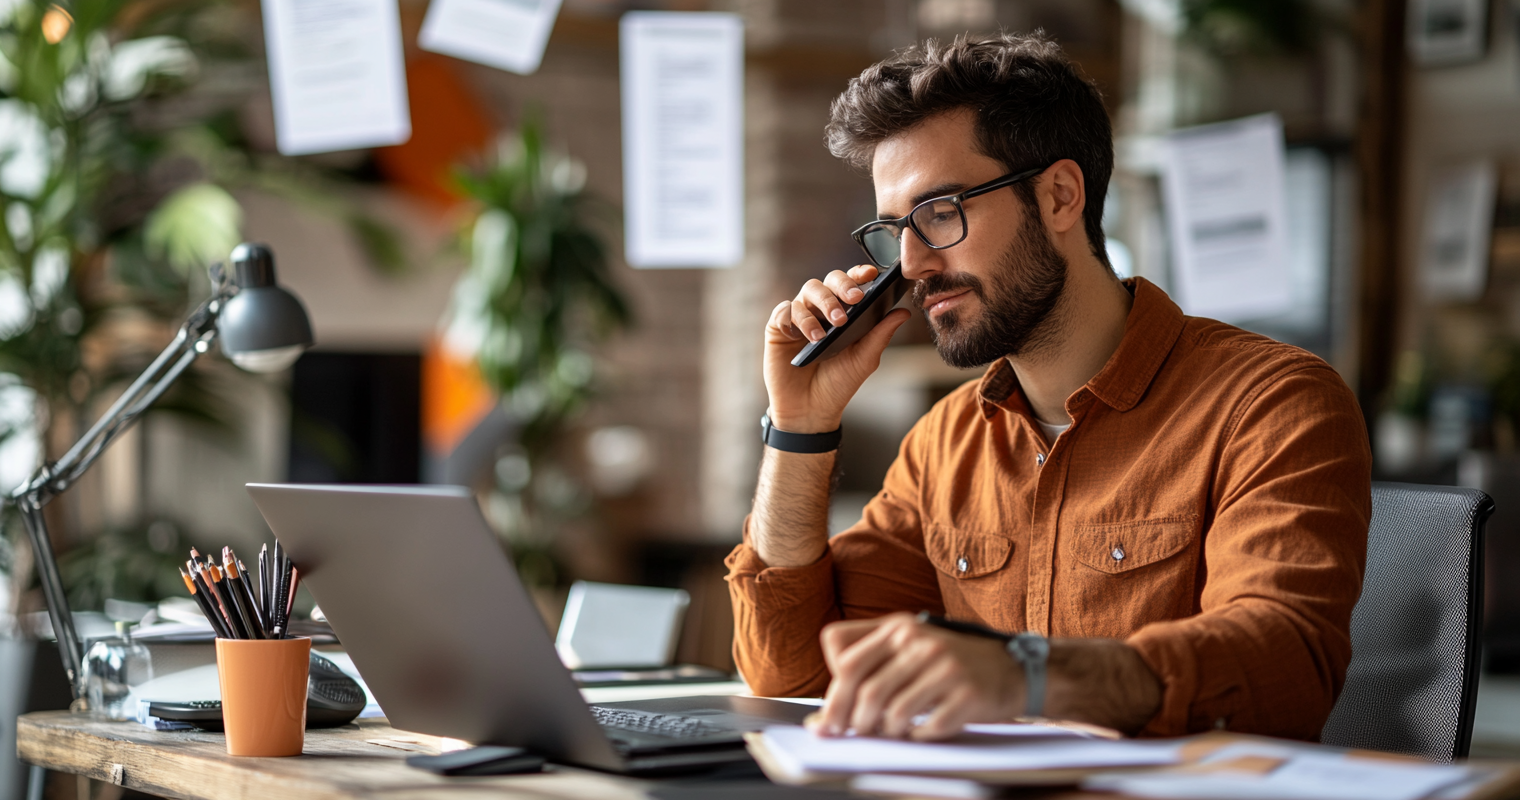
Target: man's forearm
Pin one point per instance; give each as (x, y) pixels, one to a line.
(790, 526)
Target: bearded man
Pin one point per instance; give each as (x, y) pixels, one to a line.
(1180, 506)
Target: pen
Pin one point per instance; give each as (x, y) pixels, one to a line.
(211, 615)
(218, 582)
(242, 595)
(282, 569)
(955, 626)
(265, 600)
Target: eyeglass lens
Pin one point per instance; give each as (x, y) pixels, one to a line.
(939, 222)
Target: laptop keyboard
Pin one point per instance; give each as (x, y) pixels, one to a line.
(671, 725)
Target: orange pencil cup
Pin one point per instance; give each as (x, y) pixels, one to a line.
(264, 694)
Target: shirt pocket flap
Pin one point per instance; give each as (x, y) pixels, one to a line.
(1123, 546)
(966, 554)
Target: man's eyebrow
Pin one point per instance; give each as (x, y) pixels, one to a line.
(929, 194)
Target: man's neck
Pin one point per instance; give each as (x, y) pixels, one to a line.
(1090, 319)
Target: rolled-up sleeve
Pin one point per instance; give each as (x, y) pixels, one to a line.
(876, 567)
(1283, 565)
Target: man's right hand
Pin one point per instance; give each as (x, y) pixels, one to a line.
(811, 399)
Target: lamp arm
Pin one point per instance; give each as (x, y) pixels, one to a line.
(193, 339)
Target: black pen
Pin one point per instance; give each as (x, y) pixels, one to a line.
(265, 598)
(970, 628)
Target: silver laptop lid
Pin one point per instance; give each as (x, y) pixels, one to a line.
(427, 604)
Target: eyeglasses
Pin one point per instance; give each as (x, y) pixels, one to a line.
(939, 222)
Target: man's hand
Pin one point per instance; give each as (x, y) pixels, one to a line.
(887, 671)
(811, 399)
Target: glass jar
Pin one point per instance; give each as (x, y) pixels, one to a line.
(112, 668)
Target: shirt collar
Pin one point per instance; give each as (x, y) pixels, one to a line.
(1153, 325)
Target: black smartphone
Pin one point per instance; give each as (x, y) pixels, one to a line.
(882, 295)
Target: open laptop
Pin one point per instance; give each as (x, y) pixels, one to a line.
(430, 608)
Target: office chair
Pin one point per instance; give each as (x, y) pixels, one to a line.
(1412, 683)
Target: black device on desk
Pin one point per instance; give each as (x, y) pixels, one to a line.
(881, 295)
(332, 699)
(431, 611)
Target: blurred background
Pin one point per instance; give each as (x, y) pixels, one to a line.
(607, 415)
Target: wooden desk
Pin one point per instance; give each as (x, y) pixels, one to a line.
(340, 763)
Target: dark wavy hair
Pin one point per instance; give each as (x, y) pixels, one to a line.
(1032, 109)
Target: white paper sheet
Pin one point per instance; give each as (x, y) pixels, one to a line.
(797, 751)
(1223, 187)
(506, 34)
(1305, 775)
(336, 74)
(1459, 213)
(683, 138)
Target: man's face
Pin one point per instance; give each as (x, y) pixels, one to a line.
(995, 293)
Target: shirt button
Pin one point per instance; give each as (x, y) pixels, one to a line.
(1118, 554)
(962, 564)
(1039, 459)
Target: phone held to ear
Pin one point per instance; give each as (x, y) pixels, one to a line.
(881, 296)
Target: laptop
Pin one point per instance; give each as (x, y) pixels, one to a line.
(429, 607)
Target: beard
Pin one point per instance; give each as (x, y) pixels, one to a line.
(1018, 303)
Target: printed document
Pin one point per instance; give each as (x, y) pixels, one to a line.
(683, 138)
(506, 34)
(1227, 219)
(336, 74)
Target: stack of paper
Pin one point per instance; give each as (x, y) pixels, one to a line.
(797, 755)
(1264, 771)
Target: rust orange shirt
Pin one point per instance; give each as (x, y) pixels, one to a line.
(1209, 505)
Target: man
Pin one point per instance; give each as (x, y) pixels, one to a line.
(1181, 506)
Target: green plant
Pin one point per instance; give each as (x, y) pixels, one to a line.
(535, 300)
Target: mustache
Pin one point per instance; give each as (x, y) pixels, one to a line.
(925, 288)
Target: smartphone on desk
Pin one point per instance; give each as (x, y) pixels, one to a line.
(882, 295)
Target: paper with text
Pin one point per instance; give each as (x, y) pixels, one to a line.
(683, 138)
(336, 74)
(506, 34)
(1227, 217)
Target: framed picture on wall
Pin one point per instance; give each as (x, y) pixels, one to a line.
(1443, 32)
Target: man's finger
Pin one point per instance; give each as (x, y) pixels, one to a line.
(866, 353)
(849, 668)
(821, 297)
(781, 321)
(805, 322)
(920, 696)
(845, 287)
(878, 691)
(948, 717)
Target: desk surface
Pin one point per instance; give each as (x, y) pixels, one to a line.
(337, 763)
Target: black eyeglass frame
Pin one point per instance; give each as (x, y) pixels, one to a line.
(859, 234)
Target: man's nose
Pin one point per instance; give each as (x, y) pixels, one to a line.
(919, 260)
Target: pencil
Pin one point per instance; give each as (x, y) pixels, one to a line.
(242, 596)
(211, 615)
(198, 574)
(218, 582)
(290, 600)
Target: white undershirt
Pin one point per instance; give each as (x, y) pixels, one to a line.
(1051, 431)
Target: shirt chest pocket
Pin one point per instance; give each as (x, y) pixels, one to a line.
(979, 577)
(1125, 575)
(962, 554)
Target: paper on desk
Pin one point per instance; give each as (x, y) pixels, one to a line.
(335, 74)
(506, 34)
(797, 751)
(1301, 775)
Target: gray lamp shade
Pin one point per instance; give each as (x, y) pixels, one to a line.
(263, 327)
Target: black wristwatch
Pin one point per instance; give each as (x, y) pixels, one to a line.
(798, 442)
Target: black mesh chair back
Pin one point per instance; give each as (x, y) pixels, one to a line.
(1415, 632)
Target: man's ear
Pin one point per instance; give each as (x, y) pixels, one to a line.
(1062, 193)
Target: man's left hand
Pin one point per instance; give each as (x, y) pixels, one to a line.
(889, 670)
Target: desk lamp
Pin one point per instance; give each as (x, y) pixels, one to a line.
(263, 328)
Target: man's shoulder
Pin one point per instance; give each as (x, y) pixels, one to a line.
(1220, 350)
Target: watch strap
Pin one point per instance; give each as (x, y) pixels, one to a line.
(798, 442)
(1033, 651)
